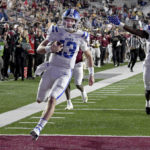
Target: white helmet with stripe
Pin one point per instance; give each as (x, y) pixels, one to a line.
(71, 14)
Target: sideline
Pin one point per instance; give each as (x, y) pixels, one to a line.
(121, 72)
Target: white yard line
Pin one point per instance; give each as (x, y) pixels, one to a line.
(51, 117)
(34, 122)
(76, 105)
(115, 88)
(113, 94)
(22, 128)
(107, 92)
(95, 100)
(25, 111)
(101, 109)
(111, 90)
(65, 113)
(74, 102)
(108, 109)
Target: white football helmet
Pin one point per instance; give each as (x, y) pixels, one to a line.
(72, 14)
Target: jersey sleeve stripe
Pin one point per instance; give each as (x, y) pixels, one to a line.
(86, 35)
(56, 29)
(83, 34)
(53, 28)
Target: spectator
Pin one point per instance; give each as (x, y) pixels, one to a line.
(1, 55)
(31, 53)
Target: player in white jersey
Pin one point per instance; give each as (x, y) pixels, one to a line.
(63, 42)
(146, 65)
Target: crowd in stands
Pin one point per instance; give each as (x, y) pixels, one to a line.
(24, 23)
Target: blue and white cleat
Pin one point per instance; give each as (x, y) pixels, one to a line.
(35, 133)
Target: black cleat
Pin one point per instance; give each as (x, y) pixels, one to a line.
(131, 70)
(34, 135)
(129, 65)
(147, 110)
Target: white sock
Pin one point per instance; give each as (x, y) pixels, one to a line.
(69, 102)
(147, 104)
(84, 92)
(42, 122)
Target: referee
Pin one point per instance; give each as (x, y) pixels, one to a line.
(134, 44)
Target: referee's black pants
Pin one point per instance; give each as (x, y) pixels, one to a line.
(133, 58)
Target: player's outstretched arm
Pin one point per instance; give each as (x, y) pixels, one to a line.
(115, 20)
(46, 47)
(140, 33)
(90, 67)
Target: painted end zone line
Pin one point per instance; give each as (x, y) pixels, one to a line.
(25, 111)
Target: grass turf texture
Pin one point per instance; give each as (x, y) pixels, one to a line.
(15, 94)
(120, 113)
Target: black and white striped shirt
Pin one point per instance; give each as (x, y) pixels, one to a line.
(134, 42)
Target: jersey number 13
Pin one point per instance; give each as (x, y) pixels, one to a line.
(71, 50)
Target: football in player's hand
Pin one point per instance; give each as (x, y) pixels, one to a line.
(56, 47)
(49, 43)
(58, 43)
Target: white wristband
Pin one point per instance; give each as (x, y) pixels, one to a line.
(122, 24)
(91, 71)
(48, 49)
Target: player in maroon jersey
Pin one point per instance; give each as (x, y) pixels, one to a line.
(78, 77)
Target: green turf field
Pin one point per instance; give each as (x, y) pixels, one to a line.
(118, 109)
(15, 94)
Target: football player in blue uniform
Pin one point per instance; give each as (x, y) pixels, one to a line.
(63, 42)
